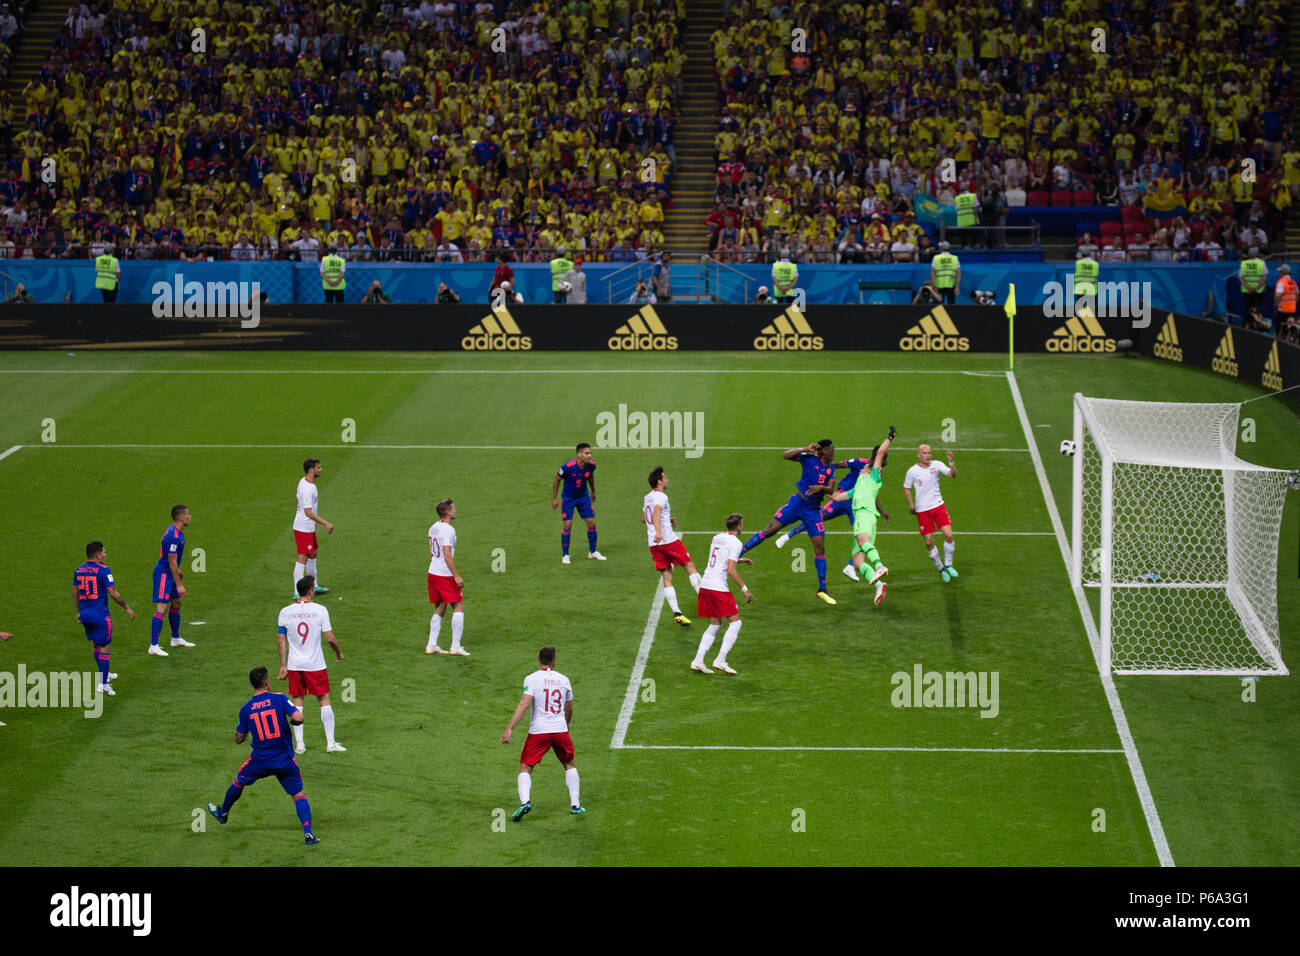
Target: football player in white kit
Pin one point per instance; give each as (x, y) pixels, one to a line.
(300, 626)
(550, 695)
(931, 513)
(444, 583)
(715, 601)
(305, 521)
(665, 547)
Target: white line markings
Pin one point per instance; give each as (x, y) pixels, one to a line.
(638, 669)
(1024, 534)
(926, 750)
(1112, 696)
(568, 447)
(493, 371)
(10, 452)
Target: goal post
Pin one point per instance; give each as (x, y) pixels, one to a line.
(1180, 537)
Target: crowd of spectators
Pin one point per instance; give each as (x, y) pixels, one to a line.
(264, 129)
(834, 114)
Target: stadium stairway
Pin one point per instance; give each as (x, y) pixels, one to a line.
(1293, 56)
(693, 179)
(44, 23)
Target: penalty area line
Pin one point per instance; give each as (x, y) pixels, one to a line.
(9, 452)
(493, 371)
(638, 670)
(1139, 776)
(926, 750)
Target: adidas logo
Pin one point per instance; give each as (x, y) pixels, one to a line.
(1167, 346)
(1083, 333)
(1272, 377)
(1225, 356)
(790, 331)
(645, 330)
(934, 333)
(496, 331)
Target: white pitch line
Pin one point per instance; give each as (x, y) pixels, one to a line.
(928, 750)
(490, 371)
(10, 452)
(374, 447)
(638, 669)
(1108, 684)
(1018, 534)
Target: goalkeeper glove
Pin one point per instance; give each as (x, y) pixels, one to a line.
(892, 432)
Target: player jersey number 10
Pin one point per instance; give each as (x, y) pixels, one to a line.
(551, 701)
(266, 724)
(435, 548)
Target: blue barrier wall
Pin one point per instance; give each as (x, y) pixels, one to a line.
(1181, 288)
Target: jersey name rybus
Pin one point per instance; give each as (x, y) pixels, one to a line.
(626, 429)
(208, 300)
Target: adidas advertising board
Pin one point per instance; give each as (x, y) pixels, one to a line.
(496, 332)
(1166, 345)
(790, 332)
(1225, 356)
(644, 331)
(936, 332)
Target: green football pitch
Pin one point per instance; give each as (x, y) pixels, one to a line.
(801, 759)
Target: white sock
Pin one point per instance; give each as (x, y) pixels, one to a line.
(525, 786)
(327, 718)
(695, 581)
(298, 572)
(311, 567)
(297, 734)
(457, 628)
(706, 642)
(571, 778)
(948, 548)
(934, 556)
(435, 625)
(728, 641)
(670, 595)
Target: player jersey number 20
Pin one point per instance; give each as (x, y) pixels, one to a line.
(87, 587)
(552, 701)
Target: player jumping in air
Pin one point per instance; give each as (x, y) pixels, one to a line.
(837, 507)
(930, 511)
(550, 695)
(579, 477)
(92, 586)
(301, 625)
(167, 587)
(817, 462)
(264, 716)
(444, 583)
(665, 547)
(304, 524)
(715, 600)
(865, 513)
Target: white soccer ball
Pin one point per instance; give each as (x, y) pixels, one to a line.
(1068, 448)
(566, 286)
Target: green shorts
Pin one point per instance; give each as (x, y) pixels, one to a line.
(864, 522)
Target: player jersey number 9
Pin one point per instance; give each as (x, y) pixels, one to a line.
(551, 701)
(87, 587)
(303, 630)
(266, 724)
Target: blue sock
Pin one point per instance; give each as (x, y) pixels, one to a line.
(155, 628)
(795, 530)
(753, 542)
(101, 661)
(564, 541)
(821, 572)
(174, 619)
(233, 793)
(591, 539)
(304, 811)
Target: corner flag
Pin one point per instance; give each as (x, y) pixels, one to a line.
(1010, 309)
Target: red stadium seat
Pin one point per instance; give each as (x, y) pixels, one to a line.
(1109, 230)
(1130, 213)
(1085, 197)
(1036, 197)
(1062, 197)
(1198, 232)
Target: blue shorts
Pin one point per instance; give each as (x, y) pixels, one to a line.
(836, 509)
(99, 633)
(254, 769)
(164, 588)
(582, 504)
(799, 508)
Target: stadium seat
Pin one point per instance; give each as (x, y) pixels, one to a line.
(1085, 225)
(1110, 230)
(1198, 232)
(1130, 214)
(1062, 197)
(1085, 197)
(1037, 197)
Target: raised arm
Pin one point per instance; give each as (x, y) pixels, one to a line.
(952, 468)
(794, 453)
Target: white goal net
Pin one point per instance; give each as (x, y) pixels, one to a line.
(1180, 535)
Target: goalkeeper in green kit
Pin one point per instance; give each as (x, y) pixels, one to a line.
(865, 513)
